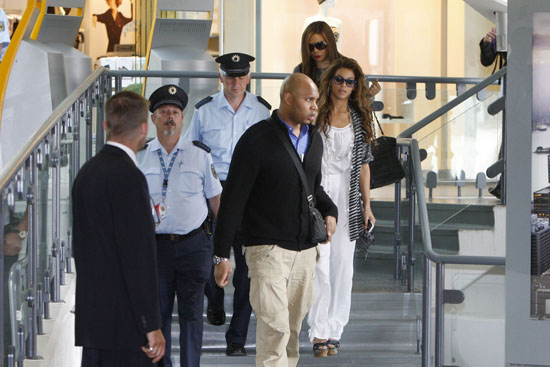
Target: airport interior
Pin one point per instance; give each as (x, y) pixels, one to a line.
(458, 273)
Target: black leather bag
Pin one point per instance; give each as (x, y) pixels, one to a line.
(317, 226)
(385, 168)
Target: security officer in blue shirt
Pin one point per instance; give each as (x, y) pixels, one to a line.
(180, 175)
(219, 121)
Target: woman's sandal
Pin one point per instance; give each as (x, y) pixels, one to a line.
(320, 349)
(333, 347)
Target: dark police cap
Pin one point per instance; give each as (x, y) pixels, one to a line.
(168, 94)
(235, 64)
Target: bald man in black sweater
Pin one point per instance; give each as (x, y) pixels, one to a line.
(264, 191)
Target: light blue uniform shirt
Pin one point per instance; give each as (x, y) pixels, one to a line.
(4, 33)
(217, 125)
(190, 182)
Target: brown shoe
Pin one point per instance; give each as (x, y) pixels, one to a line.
(333, 347)
(320, 349)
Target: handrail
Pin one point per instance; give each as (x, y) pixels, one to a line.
(425, 79)
(263, 75)
(185, 74)
(407, 133)
(11, 167)
(424, 223)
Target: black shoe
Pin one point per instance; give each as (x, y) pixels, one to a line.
(495, 191)
(235, 350)
(215, 316)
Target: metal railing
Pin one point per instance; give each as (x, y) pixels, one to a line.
(415, 187)
(440, 260)
(63, 143)
(481, 85)
(404, 264)
(56, 144)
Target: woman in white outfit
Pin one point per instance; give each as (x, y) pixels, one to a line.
(345, 123)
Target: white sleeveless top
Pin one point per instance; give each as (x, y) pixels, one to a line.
(338, 146)
(336, 169)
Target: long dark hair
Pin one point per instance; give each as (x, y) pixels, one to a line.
(359, 98)
(309, 66)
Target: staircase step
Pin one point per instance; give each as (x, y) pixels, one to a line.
(382, 332)
(453, 214)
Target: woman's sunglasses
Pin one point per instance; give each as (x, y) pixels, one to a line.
(349, 82)
(321, 45)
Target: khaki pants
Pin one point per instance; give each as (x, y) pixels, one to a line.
(281, 293)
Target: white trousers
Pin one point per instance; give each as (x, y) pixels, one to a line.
(333, 274)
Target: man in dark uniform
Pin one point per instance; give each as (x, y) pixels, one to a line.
(117, 300)
(181, 176)
(219, 121)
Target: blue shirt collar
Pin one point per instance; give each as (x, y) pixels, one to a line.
(303, 130)
(156, 145)
(223, 103)
(301, 142)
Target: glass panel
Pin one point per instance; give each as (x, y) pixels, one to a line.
(65, 193)
(15, 260)
(460, 145)
(474, 333)
(465, 139)
(44, 216)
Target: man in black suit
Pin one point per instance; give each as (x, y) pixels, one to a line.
(117, 299)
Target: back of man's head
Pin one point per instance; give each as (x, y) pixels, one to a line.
(125, 112)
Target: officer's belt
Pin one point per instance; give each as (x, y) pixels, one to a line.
(178, 237)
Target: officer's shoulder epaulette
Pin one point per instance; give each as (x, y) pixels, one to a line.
(201, 145)
(264, 102)
(203, 101)
(146, 144)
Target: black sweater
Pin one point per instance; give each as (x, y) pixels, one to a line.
(264, 190)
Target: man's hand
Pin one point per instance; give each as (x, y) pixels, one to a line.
(330, 222)
(490, 36)
(374, 88)
(222, 273)
(155, 345)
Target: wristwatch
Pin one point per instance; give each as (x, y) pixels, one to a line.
(217, 260)
(22, 234)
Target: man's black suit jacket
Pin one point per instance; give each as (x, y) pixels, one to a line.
(117, 299)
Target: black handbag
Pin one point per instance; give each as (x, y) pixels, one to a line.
(317, 226)
(385, 168)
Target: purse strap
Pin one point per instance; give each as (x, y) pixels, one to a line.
(378, 122)
(294, 156)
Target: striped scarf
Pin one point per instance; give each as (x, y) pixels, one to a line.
(360, 149)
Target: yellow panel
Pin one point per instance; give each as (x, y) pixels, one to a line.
(9, 56)
(149, 45)
(42, 6)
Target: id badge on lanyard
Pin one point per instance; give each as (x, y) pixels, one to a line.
(160, 208)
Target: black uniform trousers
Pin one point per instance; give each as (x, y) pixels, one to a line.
(183, 269)
(238, 328)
